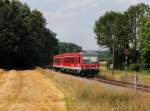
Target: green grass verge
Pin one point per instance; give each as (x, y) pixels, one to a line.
(144, 77)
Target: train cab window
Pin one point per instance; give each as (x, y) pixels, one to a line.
(90, 59)
(94, 59)
(86, 60)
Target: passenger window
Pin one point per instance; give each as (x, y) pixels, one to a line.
(78, 60)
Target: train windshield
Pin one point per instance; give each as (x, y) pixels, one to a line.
(93, 59)
(90, 58)
(86, 60)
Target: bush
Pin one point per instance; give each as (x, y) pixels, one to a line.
(134, 67)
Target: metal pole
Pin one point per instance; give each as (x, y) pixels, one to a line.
(126, 58)
(90, 64)
(135, 82)
(113, 56)
(136, 76)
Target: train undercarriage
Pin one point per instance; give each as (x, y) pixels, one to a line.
(81, 72)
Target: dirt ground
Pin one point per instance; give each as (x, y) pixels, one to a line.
(29, 91)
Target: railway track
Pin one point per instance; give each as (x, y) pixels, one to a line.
(139, 87)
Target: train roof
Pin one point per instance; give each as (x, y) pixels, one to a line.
(78, 53)
(68, 54)
(91, 53)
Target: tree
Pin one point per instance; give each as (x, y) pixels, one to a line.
(110, 25)
(134, 14)
(124, 28)
(113, 24)
(145, 42)
(24, 39)
(69, 48)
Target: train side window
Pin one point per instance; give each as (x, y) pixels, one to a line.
(72, 59)
(57, 60)
(69, 59)
(66, 60)
(78, 60)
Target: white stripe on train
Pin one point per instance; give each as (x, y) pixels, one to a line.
(77, 68)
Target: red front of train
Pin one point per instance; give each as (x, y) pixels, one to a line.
(84, 63)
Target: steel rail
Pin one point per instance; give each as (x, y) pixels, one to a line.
(140, 87)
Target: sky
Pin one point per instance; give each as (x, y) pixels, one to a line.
(73, 20)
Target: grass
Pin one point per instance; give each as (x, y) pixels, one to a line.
(84, 95)
(144, 77)
(29, 90)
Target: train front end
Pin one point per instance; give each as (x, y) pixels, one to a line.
(90, 64)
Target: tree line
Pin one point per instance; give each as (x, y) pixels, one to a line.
(25, 41)
(129, 33)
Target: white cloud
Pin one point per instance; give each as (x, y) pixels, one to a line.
(120, 1)
(133, 2)
(83, 3)
(54, 15)
(71, 8)
(71, 4)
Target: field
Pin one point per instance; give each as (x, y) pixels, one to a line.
(144, 77)
(85, 95)
(29, 91)
(45, 90)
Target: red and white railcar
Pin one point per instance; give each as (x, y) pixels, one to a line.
(82, 63)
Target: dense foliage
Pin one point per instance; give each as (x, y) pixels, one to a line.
(145, 43)
(69, 48)
(110, 29)
(109, 26)
(134, 14)
(25, 42)
(122, 30)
